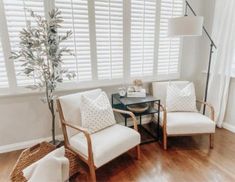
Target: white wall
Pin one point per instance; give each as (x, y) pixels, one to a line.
(194, 69)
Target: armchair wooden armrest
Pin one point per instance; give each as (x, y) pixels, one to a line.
(164, 122)
(87, 135)
(79, 128)
(163, 110)
(212, 111)
(83, 130)
(130, 114)
(164, 118)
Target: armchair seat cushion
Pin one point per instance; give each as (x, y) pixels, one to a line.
(107, 143)
(183, 123)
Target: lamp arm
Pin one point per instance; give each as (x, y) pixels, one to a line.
(188, 6)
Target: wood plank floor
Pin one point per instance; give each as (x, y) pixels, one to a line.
(187, 159)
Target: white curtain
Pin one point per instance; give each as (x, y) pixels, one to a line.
(224, 56)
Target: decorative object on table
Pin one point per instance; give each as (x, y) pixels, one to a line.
(122, 91)
(136, 90)
(182, 123)
(41, 56)
(101, 147)
(35, 153)
(191, 26)
(138, 85)
(138, 108)
(131, 92)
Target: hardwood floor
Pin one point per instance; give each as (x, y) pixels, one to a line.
(7, 162)
(187, 159)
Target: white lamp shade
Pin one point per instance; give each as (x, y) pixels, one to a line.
(185, 26)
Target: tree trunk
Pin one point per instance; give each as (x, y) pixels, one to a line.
(53, 121)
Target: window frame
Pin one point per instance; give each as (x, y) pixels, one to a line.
(13, 89)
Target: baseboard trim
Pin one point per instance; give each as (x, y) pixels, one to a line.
(229, 127)
(25, 144)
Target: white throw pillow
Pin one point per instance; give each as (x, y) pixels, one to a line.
(181, 99)
(96, 114)
(52, 167)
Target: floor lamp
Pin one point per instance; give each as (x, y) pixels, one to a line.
(191, 26)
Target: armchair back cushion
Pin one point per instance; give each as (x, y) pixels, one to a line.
(70, 105)
(160, 89)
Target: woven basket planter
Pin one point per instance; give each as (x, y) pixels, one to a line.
(35, 153)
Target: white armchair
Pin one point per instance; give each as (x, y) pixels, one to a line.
(101, 147)
(183, 123)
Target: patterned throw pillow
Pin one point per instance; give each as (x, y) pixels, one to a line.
(181, 99)
(96, 114)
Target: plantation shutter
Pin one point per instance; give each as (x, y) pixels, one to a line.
(143, 18)
(109, 38)
(3, 74)
(75, 15)
(169, 48)
(17, 17)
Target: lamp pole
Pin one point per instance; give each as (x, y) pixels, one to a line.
(212, 45)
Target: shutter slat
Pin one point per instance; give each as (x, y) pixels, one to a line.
(142, 37)
(3, 73)
(16, 16)
(75, 15)
(109, 38)
(169, 48)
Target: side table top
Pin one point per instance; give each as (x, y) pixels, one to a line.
(134, 100)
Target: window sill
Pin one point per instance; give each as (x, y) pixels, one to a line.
(65, 87)
(204, 72)
(79, 86)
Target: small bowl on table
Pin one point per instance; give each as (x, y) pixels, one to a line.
(138, 108)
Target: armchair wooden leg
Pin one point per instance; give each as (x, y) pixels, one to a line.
(92, 173)
(137, 149)
(211, 141)
(165, 141)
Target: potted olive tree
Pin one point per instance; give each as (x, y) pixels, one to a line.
(41, 56)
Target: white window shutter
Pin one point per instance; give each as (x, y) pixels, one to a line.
(103, 42)
(109, 38)
(3, 73)
(17, 16)
(143, 18)
(75, 15)
(169, 48)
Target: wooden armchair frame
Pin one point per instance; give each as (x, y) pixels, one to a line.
(164, 126)
(89, 161)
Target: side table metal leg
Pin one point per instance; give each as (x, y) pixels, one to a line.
(125, 121)
(158, 130)
(158, 121)
(140, 119)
